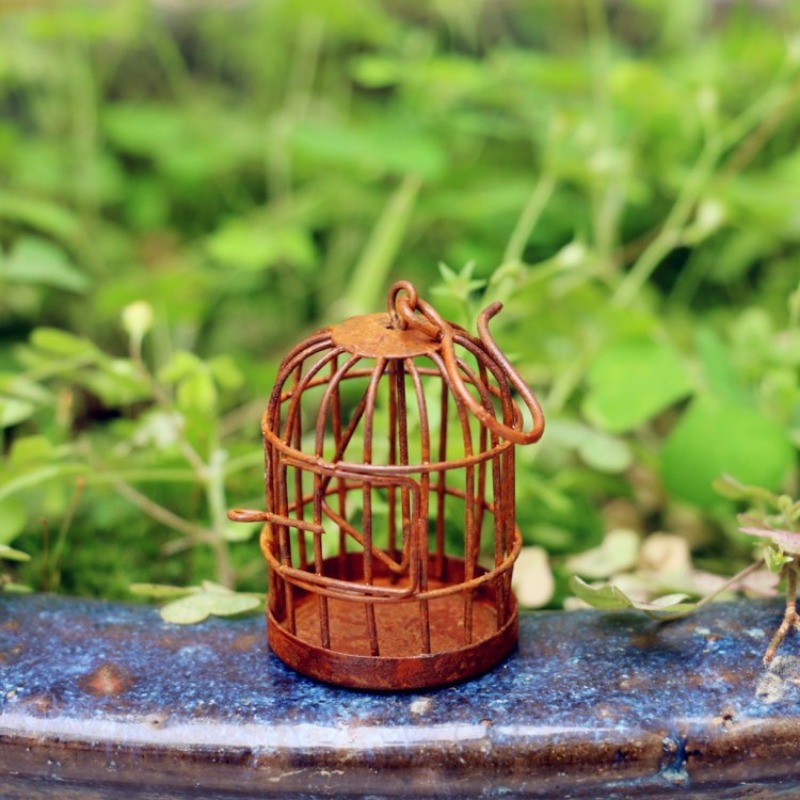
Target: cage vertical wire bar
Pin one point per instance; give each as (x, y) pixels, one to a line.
(336, 427)
(402, 449)
(441, 481)
(369, 419)
(425, 455)
(298, 475)
(474, 503)
(400, 600)
(470, 543)
(391, 497)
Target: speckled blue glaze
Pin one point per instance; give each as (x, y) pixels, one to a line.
(588, 699)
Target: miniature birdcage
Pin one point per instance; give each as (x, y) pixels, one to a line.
(389, 533)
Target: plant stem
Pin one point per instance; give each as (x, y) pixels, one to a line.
(760, 135)
(670, 234)
(369, 275)
(794, 308)
(246, 461)
(608, 187)
(759, 112)
(295, 107)
(144, 475)
(731, 582)
(528, 218)
(248, 414)
(61, 540)
(168, 52)
(159, 513)
(54, 368)
(715, 144)
(737, 578)
(790, 617)
(46, 572)
(565, 383)
(218, 509)
(211, 476)
(84, 147)
(164, 401)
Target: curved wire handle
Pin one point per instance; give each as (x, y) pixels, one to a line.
(402, 309)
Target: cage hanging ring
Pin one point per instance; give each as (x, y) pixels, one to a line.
(397, 305)
(403, 314)
(512, 434)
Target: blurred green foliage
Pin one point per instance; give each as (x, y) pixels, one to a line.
(187, 191)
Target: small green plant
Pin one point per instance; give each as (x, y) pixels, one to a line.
(776, 518)
(771, 516)
(625, 183)
(170, 429)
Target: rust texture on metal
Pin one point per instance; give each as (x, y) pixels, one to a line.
(390, 532)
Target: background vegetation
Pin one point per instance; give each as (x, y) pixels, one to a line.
(188, 190)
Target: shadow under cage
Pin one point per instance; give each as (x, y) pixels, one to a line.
(390, 532)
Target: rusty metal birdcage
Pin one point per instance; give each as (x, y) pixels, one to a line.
(389, 532)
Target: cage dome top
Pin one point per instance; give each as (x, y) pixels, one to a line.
(402, 368)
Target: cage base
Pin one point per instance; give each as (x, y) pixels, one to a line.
(348, 662)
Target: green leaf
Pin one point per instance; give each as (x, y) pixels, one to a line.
(10, 554)
(27, 450)
(376, 72)
(775, 559)
(33, 478)
(609, 598)
(197, 607)
(714, 438)
(196, 391)
(181, 366)
(16, 385)
(244, 531)
(117, 382)
(731, 488)
(633, 380)
(718, 367)
(13, 411)
(188, 610)
(13, 515)
(62, 343)
(39, 262)
(144, 129)
(47, 217)
(226, 372)
(605, 597)
(229, 605)
(161, 591)
(17, 588)
(158, 429)
(197, 394)
(459, 285)
(605, 453)
(256, 245)
(373, 146)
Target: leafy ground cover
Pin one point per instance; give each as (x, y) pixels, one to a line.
(187, 193)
